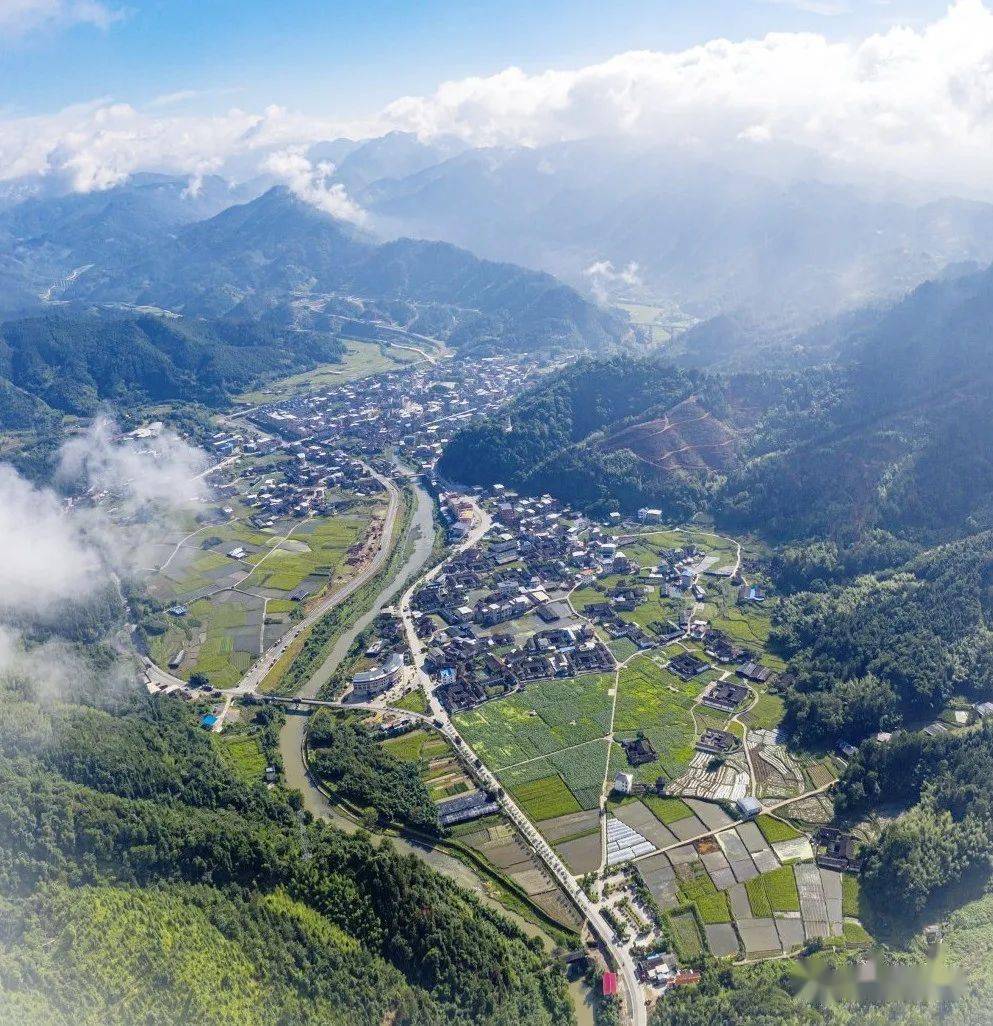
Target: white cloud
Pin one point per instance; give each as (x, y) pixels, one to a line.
(907, 101)
(55, 553)
(311, 183)
(52, 552)
(46, 557)
(100, 144)
(21, 17)
(604, 277)
(913, 102)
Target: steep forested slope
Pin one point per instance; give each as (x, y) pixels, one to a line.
(143, 884)
(899, 435)
(896, 436)
(69, 363)
(571, 435)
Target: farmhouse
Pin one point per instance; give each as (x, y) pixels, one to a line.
(717, 742)
(725, 695)
(466, 807)
(639, 750)
(748, 807)
(687, 666)
(754, 672)
(837, 850)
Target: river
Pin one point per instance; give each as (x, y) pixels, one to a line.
(291, 739)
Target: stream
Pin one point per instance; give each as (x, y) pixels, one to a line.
(291, 741)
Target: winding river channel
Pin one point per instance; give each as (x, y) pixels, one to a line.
(293, 735)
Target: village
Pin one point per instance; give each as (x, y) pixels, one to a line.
(612, 675)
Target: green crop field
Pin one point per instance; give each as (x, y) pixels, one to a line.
(748, 626)
(324, 544)
(856, 934)
(775, 890)
(413, 701)
(775, 830)
(686, 934)
(545, 798)
(647, 704)
(581, 769)
(416, 746)
(758, 900)
(850, 901)
(240, 752)
(583, 597)
(711, 903)
(667, 810)
(766, 714)
(543, 718)
(222, 619)
(361, 359)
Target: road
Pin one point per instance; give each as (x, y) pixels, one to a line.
(730, 826)
(258, 670)
(263, 665)
(635, 1002)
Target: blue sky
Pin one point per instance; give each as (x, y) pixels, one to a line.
(345, 59)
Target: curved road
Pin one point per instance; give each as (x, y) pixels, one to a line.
(258, 670)
(635, 999)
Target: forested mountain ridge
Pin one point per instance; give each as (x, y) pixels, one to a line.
(256, 257)
(572, 434)
(898, 436)
(69, 363)
(895, 436)
(44, 237)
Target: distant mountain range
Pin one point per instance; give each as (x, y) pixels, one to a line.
(148, 244)
(783, 244)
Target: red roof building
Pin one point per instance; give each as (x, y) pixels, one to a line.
(609, 984)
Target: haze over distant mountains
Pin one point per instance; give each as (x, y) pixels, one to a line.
(152, 242)
(714, 236)
(781, 241)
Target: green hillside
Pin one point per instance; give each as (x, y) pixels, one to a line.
(146, 884)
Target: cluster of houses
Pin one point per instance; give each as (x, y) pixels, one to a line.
(414, 409)
(304, 483)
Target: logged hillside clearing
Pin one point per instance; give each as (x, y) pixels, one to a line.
(687, 437)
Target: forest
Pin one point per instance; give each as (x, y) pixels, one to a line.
(944, 840)
(119, 820)
(345, 756)
(547, 440)
(70, 363)
(889, 649)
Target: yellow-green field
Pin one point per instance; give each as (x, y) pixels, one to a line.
(361, 359)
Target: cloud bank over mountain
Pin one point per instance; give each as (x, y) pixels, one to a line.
(917, 102)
